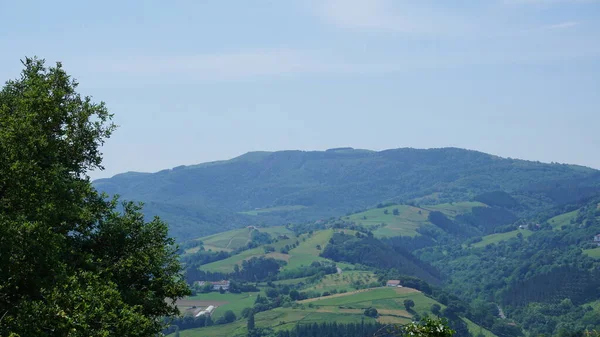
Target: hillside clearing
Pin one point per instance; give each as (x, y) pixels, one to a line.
(498, 237)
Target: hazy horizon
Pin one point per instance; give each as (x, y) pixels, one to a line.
(192, 82)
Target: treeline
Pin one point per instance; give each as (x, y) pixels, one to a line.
(261, 269)
(369, 251)
(337, 329)
(542, 270)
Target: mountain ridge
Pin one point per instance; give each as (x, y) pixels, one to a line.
(342, 180)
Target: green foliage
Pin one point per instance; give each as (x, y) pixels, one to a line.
(70, 263)
(427, 328)
(371, 312)
(375, 253)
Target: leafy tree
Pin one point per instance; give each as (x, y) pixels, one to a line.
(436, 309)
(371, 312)
(396, 212)
(271, 292)
(409, 304)
(71, 264)
(294, 295)
(229, 316)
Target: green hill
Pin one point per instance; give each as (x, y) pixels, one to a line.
(404, 220)
(296, 186)
(342, 308)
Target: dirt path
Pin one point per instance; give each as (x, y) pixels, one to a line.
(336, 295)
(501, 312)
(233, 237)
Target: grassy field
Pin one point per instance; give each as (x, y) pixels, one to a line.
(405, 223)
(409, 218)
(476, 329)
(341, 308)
(342, 281)
(307, 252)
(227, 264)
(274, 209)
(226, 241)
(495, 238)
(455, 208)
(594, 252)
(223, 302)
(563, 220)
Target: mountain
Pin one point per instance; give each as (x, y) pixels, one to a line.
(298, 186)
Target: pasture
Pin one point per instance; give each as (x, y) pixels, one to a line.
(562, 220)
(498, 237)
(407, 221)
(594, 252)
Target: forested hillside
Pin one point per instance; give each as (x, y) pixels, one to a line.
(545, 275)
(297, 186)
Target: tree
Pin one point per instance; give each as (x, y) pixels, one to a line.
(271, 292)
(436, 309)
(371, 312)
(409, 304)
(67, 251)
(396, 211)
(386, 211)
(250, 321)
(229, 316)
(294, 295)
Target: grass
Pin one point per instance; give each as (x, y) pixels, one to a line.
(476, 329)
(409, 219)
(498, 237)
(594, 252)
(341, 308)
(228, 264)
(456, 208)
(342, 281)
(226, 241)
(307, 252)
(563, 220)
(403, 224)
(275, 209)
(227, 301)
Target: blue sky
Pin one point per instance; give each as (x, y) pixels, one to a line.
(195, 81)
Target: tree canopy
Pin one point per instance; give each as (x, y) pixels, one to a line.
(71, 262)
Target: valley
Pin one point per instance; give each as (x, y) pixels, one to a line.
(460, 251)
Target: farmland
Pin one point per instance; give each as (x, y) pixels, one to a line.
(594, 252)
(341, 308)
(404, 220)
(495, 238)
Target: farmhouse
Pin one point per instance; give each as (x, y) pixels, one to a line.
(393, 283)
(597, 239)
(216, 285)
(220, 285)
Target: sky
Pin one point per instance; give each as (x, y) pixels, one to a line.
(196, 81)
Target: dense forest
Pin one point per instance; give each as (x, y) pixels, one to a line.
(544, 281)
